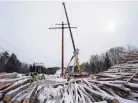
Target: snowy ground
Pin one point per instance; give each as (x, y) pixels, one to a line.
(51, 80)
(50, 95)
(56, 77)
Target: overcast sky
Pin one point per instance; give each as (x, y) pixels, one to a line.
(100, 26)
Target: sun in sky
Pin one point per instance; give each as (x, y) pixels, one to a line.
(111, 25)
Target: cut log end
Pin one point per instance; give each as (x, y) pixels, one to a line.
(26, 100)
(33, 100)
(7, 97)
(10, 101)
(17, 101)
(115, 101)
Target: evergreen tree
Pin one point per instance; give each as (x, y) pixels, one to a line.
(107, 62)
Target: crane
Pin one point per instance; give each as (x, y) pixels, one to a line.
(76, 50)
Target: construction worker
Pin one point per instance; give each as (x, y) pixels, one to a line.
(43, 77)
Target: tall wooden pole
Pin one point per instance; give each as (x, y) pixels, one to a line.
(62, 44)
(62, 63)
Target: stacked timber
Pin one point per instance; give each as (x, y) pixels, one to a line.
(117, 85)
(129, 57)
(122, 79)
(8, 75)
(14, 89)
(95, 91)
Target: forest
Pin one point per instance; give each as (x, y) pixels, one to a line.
(99, 63)
(96, 63)
(10, 63)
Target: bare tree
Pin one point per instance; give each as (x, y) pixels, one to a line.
(132, 49)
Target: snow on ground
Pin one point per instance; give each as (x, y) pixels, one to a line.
(20, 75)
(50, 95)
(56, 77)
(58, 72)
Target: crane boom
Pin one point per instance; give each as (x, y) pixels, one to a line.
(69, 27)
(75, 49)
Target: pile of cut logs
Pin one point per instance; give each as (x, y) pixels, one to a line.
(129, 58)
(15, 89)
(118, 84)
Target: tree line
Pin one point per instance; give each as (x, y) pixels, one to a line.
(99, 63)
(10, 63)
(96, 63)
(42, 69)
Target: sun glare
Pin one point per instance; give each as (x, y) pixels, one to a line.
(111, 26)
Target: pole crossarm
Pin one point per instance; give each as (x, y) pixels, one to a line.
(62, 24)
(61, 27)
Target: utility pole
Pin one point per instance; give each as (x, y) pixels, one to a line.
(62, 46)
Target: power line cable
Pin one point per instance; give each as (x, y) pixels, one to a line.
(13, 52)
(15, 48)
